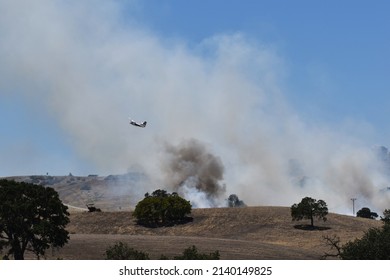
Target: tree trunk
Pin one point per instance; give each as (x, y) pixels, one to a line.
(18, 253)
(16, 250)
(311, 218)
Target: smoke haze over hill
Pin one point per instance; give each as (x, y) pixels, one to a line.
(219, 105)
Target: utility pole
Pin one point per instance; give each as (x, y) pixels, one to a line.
(353, 205)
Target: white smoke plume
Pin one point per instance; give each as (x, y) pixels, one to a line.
(90, 72)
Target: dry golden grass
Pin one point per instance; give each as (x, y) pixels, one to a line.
(238, 233)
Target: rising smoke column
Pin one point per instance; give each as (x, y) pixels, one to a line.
(78, 63)
(194, 172)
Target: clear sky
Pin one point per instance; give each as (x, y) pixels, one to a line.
(296, 75)
(336, 53)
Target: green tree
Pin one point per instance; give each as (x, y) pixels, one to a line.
(32, 218)
(122, 251)
(162, 209)
(309, 208)
(234, 201)
(366, 213)
(386, 216)
(373, 245)
(191, 253)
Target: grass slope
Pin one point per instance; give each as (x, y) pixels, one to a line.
(238, 233)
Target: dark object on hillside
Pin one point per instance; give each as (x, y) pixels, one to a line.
(234, 201)
(365, 212)
(91, 208)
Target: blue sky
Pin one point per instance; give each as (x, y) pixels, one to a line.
(282, 78)
(336, 52)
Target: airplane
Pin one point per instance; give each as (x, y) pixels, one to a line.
(138, 124)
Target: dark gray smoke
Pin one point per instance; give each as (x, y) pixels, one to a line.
(194, 172)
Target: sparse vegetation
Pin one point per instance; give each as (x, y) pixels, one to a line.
(309, 208)
(162, 209)
(122, 251)
(32, 218)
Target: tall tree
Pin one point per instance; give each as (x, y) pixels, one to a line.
(309, 208)
(32, 218)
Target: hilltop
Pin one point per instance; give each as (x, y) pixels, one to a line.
(110, 193)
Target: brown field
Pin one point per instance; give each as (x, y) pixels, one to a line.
(237, 233)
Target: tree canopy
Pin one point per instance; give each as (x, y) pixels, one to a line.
(162, 209)
(32, 218)
(386, 216)
(309, 208)
(234, 201)
(373, 245)
(365, 212)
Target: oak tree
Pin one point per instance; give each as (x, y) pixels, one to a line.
(309, 208)
(32, 218)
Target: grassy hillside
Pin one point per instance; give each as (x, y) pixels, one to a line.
(238, 233)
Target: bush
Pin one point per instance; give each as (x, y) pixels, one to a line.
(162, 209)
(121, 251)
(373, 245)
(191, 253)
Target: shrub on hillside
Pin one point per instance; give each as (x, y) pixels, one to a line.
(373, 245)
(121, 251)
(191, 253)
